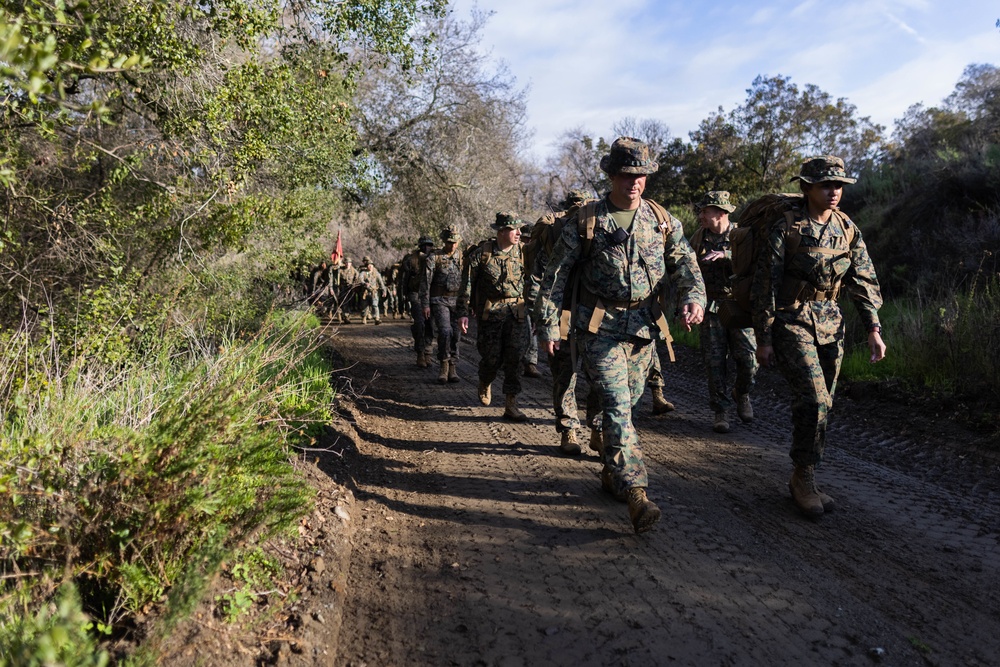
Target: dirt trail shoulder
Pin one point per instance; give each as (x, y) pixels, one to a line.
(477, 543)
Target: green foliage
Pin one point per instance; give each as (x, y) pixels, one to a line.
(254, 573)
(56, 633)
(137, 479)
(949, 345)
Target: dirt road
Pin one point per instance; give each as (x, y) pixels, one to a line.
(479, 544)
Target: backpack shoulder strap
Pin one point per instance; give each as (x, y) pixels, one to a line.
(847, 225)
(697, 239)
(793, 235)
(586, 222)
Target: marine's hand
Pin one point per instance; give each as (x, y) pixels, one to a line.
(427, 313)
(714, 255)
(877, 346)
(549, 346)
(464, 323)
(765, 355)
(692, 313)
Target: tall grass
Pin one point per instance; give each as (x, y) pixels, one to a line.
(949, 344)
(123, 487)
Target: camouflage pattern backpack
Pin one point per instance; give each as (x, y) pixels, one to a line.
(747, 241)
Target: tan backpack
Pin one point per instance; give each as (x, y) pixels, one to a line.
(748, 239)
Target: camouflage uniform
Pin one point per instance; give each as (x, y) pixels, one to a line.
(795, 309)
(332, 296)
(564, 373)
(496, 277)
(719, 344)
(410, 273)
(617, 353)
(439, 285)
(372, 286)
(348, 290)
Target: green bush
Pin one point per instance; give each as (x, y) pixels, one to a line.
(135, 480)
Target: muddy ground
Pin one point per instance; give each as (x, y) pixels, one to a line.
(472, 541)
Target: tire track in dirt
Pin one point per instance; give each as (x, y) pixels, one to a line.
(481, 545)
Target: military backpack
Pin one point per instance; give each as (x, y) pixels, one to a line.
(748, 240)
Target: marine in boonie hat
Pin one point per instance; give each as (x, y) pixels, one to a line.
(507, 219)
(575, 198)
(628, 156)
(424, 240)
(823, 168)
(716, 198)
(450, 234)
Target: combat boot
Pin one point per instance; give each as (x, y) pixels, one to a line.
(803, 489)
(378, 321)
(721, 425)
(660, 404)
(512, 412)
(569, 444)
(485, 392)
(531, 371)
(641, 510)
(609, 487)
(744, 410)
(421, 360)
(443, 375)
(453, 371)
(364, 319)
(597, 441)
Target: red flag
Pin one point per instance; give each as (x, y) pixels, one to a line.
(339, 252)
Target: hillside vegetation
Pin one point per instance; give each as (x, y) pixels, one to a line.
(166, 169)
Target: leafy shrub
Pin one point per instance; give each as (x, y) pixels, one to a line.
(136, 480)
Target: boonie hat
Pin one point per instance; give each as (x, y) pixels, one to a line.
(575, 197)
(628, 156)
(718, 199)
(507, 219)
(823, 168)
(424, 240)
(450, 234)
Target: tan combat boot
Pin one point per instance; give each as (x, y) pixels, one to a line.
(443, 375)
(660, 404)
(421, 360)
(364, 319)
(512, 412)
(453, 371)
(641, 510)
(597, 441)
(721, 425)
(609, 487)
(485, 392)
(744, 410)
(803, 489)
(568, 444)
(531, 371)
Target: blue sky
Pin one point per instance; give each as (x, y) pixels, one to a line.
(589, 63)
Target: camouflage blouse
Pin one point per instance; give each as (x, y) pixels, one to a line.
(497, 279)
(626, 272)
(851, 270)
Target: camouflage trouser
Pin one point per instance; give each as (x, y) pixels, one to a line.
(422, 329)
(564, 377)
(618, 370)
(346, 301)
(445, 314)
(501, 341)
(655, 378)
(370, 305)
(718, 345)
(531, 352)
(811, 370)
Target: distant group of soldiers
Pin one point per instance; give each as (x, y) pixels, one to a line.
(596, 282)
(338, 288)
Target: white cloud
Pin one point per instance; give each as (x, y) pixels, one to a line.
(591, 62)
